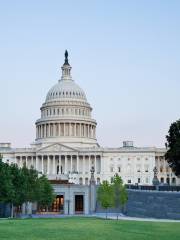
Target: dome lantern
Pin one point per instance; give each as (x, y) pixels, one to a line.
(66, 68)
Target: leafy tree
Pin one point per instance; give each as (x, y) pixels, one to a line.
(120, 196)
(105, 195)
(19, 185)
(173, 147)
(30, 185)
(45, 195)
(6, 186)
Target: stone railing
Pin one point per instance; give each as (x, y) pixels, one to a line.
(154, 188)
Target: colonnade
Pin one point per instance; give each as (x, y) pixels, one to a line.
(61, 164)
(165, 174)
(65, 129)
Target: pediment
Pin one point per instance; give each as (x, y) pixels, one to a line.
(57, 147)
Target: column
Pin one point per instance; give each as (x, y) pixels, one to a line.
(21, 162)
(59, 129)
(59, 164)
(39, 131)
(54, 165)
(88, 131)
(36, 163)
(53, 129)
(64, 129)
(80, 132)
(70, 131)
(77, 167)
(45, 130)
(26, 161)
(48, 166)
(32, 163)
(83, 168)
(71, 164)
(89, 164)
(75, 129)
(49, 128)
(42, 164)
(65, 165)
(95, 159)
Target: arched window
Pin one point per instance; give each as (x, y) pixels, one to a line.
(80, 181)
(174, 180)
(138, 167)
(98, 181)
(86, 181)
(162, 180)
(111, 169)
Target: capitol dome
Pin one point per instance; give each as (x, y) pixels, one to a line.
(65, 89)
(66, 114)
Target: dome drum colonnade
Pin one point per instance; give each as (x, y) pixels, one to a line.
(71, 129)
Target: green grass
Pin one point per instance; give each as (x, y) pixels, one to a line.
(87, 229)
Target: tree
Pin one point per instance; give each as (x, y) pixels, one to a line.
(19, 186)
(30, 185)
(45, 195)
(6, 186)
(119, 193)
(173, 147)
(105, 195)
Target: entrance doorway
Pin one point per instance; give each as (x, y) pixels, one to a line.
(58, 204)
(79, 204)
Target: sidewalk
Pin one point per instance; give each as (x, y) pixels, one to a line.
(123, 217)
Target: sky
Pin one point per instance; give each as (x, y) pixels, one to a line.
(124, 54)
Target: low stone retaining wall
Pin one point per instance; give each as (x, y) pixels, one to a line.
(150, 204)
(153, 204)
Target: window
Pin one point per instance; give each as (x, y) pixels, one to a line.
(111, 169)
(147, 180)
(129, 181)
(86, 181)
(80, 181)
(98, 181)
(162, 180)
(146, 168)
(119, 169)
(138, 167)
(174, 180)
(139, 180)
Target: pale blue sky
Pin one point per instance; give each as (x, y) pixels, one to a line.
(124, 54)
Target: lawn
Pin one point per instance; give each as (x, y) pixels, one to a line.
(87, 229)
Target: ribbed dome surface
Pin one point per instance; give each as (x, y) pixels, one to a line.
(65, 89)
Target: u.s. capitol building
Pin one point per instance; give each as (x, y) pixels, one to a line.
(66, 146)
